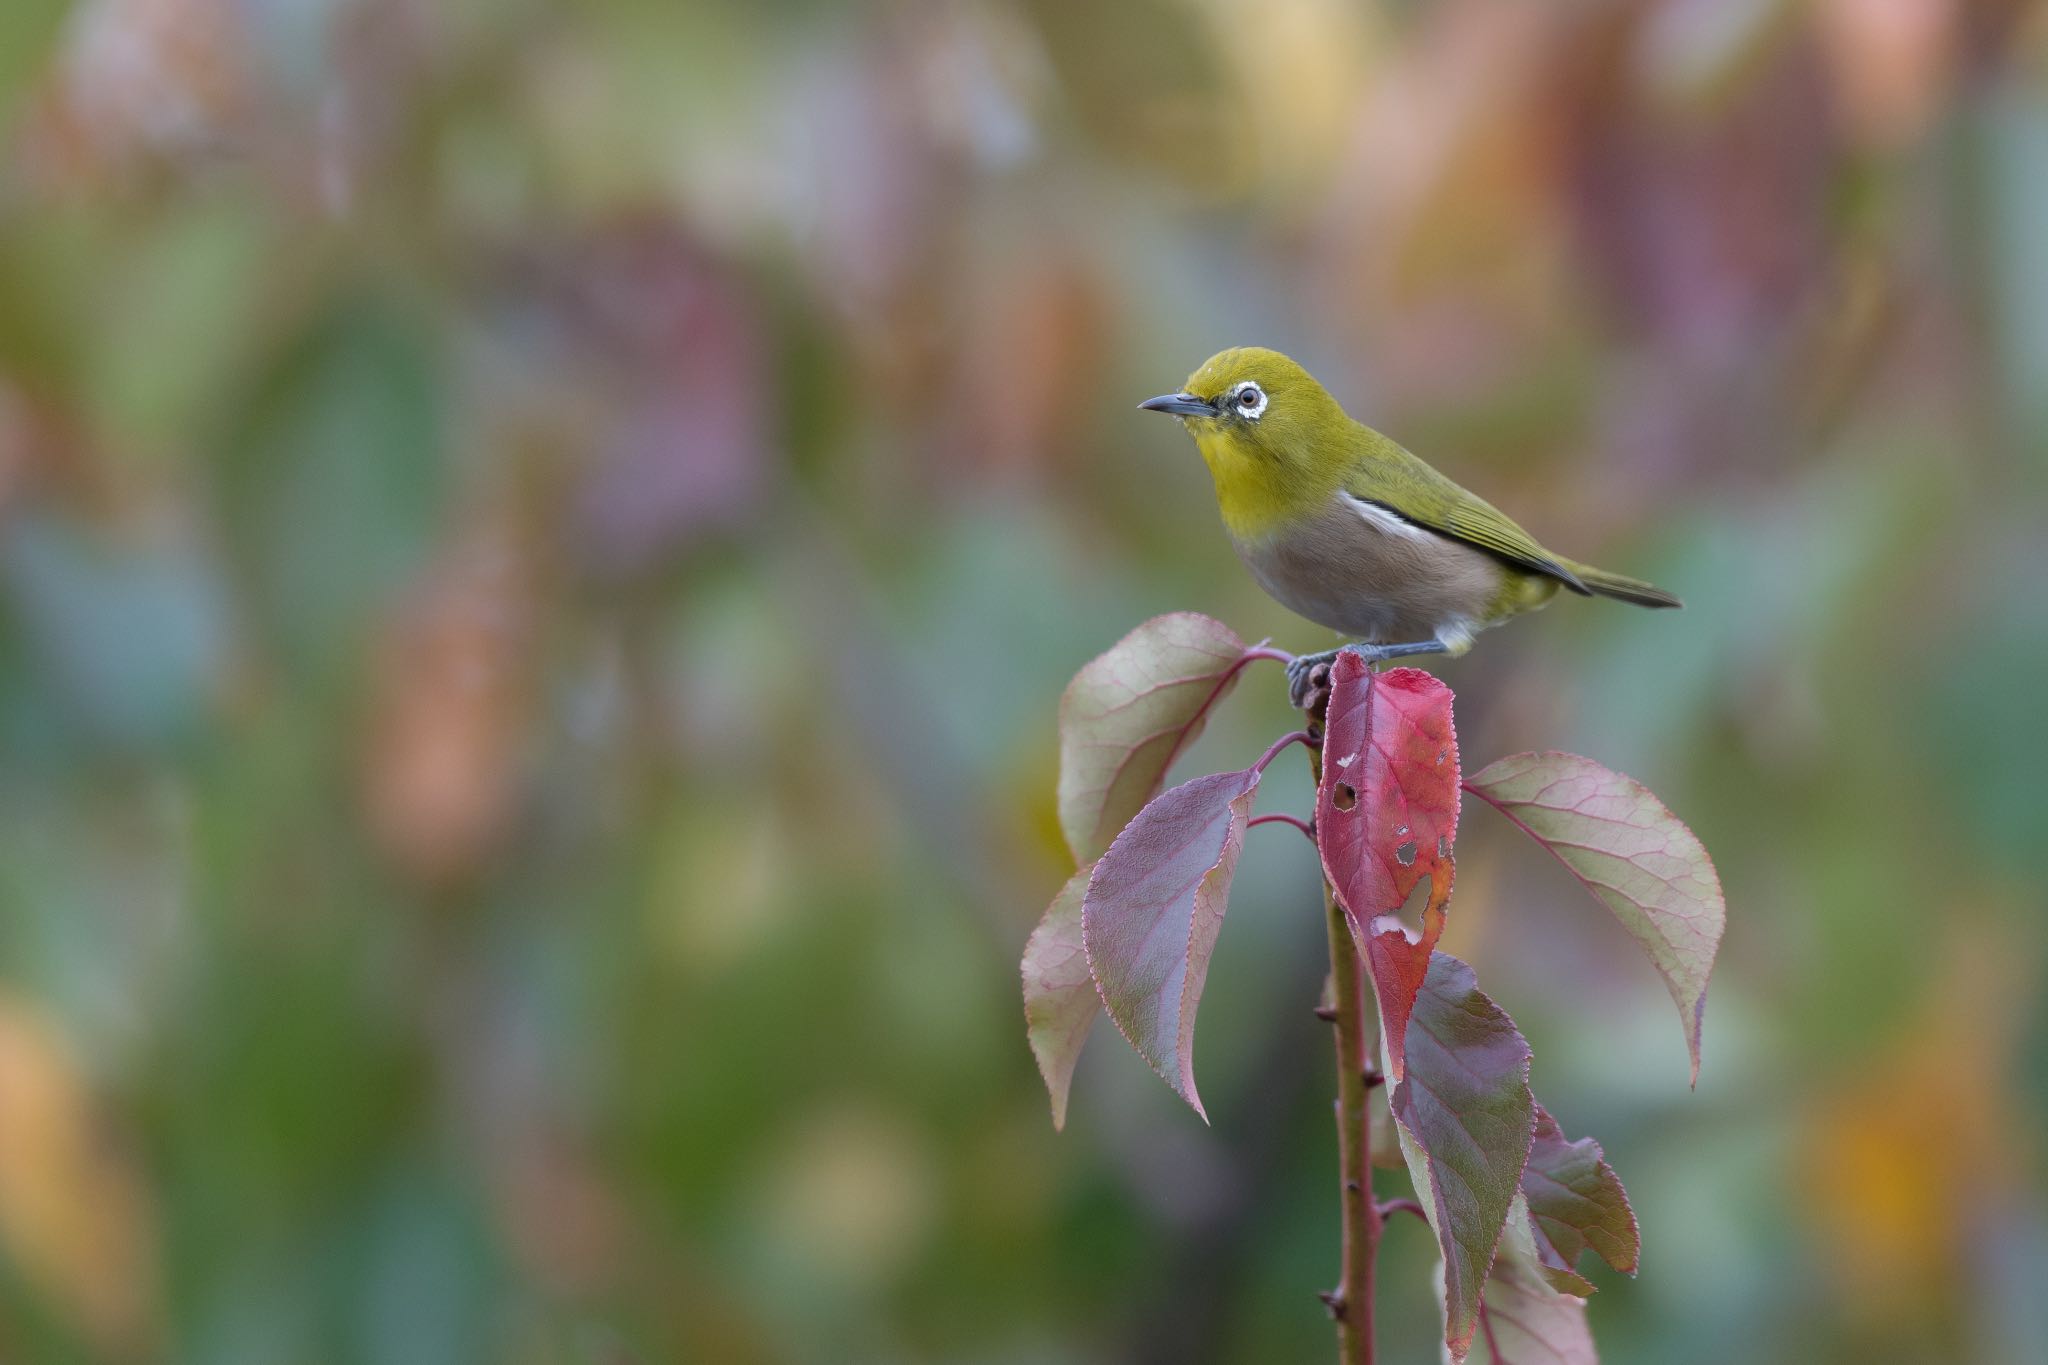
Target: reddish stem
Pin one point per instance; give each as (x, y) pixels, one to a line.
(1362, 1222)
(1390, 1207)
(1350, 1302)
(1280, 745)
(1283, 818)
(1257, 651)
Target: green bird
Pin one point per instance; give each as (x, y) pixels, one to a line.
(1343, 526)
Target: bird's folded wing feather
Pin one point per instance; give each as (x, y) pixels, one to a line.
(1464, 516)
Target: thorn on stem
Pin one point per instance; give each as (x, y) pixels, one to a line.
(1372, 1076)
(1327, 1013)
(1393, 1206)
(1333, 1299)
(1351, 1187)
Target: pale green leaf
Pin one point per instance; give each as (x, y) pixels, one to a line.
(1060, 1002)
(1638, 858)
(1129, 713)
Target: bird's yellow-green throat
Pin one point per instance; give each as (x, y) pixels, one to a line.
(1263, 464)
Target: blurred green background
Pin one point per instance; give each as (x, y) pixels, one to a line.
(539, 546)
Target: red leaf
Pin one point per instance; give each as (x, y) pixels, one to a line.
(1576, 1201)
(1633, 854)
(1152, 912)
(1386, 817)
(1467, 1119)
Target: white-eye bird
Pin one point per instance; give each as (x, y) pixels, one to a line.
(1345, 527)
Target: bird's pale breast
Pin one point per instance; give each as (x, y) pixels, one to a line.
(1361, 570)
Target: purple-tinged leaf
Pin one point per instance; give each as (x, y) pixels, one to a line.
(1153, 908)
(1386, 816)
(1527, 1322)
(1060, 1002)
(1466, 1119)
(1129, 713)
(1633, 854)
(1575, 1202)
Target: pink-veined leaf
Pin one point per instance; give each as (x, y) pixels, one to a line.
(1060, 1002)
(1129, 713)
(1386, 817)
(1152, 911)
(1632, 853)
(1466, 1121)
(1527, 1322)
(1576, 1202)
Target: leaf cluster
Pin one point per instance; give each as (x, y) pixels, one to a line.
(1513, 1203)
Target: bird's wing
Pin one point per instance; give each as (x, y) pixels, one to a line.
(1464, 516)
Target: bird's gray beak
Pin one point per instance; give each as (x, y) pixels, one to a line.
(1180, 405)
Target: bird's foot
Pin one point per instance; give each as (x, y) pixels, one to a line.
(1308, 675)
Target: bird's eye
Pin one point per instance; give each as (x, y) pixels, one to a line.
(1251, 399)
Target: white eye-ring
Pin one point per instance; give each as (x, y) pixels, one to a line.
(1249, 400)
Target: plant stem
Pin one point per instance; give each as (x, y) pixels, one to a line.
(1282, 818)
(1351, 1303)
(1280, 744)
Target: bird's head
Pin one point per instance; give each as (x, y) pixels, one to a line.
(1269, 432)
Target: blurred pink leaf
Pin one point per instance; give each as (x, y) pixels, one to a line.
(1129, 713)
(138, 78)
(684, 447)
(1153, 908)
(1386, 817)
(1890, 63)
(449, 707)
(1467, 1119)
(1038, 354)
(1060, 1002)
(1632, 853)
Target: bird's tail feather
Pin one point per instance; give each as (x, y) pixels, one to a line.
(1623, 588)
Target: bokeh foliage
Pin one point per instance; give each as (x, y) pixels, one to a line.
(539, 547)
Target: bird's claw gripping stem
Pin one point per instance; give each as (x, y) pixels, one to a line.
(1309, 674)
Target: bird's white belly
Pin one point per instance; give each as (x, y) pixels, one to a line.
(1364, 572)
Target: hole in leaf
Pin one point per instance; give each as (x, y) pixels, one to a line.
(1344, 797)
(1412, 908)
(1405, 854)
